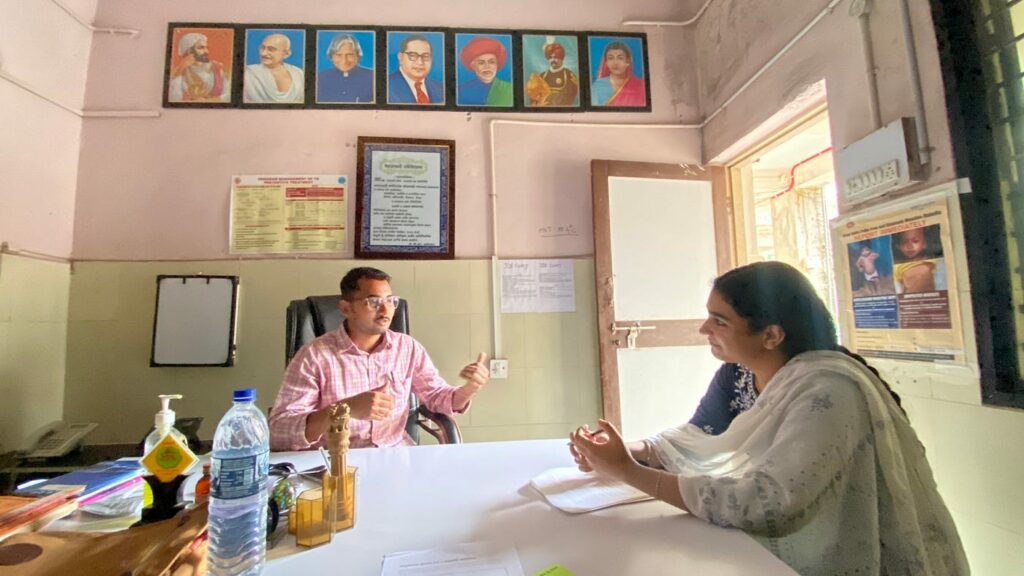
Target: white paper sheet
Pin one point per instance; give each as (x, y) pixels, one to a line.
(469, 559)
(576, 492)
(537, 286)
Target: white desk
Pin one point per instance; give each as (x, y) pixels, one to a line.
(429, 496)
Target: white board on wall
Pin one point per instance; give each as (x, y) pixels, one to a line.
(194, 323)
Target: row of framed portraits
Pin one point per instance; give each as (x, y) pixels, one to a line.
(300, 66)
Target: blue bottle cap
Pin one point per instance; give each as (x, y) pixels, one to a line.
(244, 395)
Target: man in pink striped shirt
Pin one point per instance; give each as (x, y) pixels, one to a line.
(368, 367)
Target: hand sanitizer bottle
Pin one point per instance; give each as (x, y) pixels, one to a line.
(164, 422)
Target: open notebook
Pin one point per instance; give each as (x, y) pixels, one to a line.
(576, 492)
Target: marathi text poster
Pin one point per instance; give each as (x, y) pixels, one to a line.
(537, 286)
(405, 196)
(902, 298)
(288, 214)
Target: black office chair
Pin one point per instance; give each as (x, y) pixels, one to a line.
(317, 315)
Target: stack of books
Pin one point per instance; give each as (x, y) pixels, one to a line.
(28, 513)
(105, 487)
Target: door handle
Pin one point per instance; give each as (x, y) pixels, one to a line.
(632, 332)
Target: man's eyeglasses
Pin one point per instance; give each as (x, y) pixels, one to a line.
(416, 56)
(376, 301)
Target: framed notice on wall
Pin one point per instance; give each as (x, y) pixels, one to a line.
(405, 198)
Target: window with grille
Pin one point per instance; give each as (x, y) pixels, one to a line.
(981, 45)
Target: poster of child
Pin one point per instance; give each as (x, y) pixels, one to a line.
(871, 267)
(917, 244)
(919, 263)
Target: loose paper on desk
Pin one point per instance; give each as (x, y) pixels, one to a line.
(537, 286)
(576, 492)
(288, 214)
(468, 559)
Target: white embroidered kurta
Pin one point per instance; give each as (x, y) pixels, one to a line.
(259, 85)
(825, 471)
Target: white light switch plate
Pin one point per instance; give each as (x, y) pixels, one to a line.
(499, 368)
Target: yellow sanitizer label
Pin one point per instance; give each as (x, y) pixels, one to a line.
(168, 459)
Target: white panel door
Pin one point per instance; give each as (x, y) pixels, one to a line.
(657, 252)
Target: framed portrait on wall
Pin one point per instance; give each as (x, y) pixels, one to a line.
(405, 198)
(416, 68)
(619, 72)
(274, 75)
(199, 66)
(484, 67)
(346, 63)
(552, 78)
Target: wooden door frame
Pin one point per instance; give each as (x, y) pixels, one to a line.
(600, 171)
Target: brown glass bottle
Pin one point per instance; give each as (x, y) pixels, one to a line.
(203, 485)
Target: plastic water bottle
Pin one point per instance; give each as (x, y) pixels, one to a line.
(238, 496)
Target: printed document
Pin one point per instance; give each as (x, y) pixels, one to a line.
(469, 559)
(576, 492)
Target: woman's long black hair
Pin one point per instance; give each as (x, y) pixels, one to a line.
(766, 293)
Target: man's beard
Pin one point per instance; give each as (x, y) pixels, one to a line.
(201, 57)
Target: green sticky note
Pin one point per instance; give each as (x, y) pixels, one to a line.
(556, 570)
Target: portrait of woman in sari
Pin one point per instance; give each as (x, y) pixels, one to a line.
(823, 469)
(617, 83)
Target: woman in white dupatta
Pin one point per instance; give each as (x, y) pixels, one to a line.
(824, 470)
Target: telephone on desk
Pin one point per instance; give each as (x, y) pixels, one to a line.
(58, 438)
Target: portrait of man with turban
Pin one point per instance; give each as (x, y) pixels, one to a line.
(485, 59)
(195, 76)
(557, 85)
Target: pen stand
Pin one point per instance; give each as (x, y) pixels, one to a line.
(344, 498)
(314, 516)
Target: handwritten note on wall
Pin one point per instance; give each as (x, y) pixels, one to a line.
(537, 286)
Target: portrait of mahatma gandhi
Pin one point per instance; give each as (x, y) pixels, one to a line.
(199, 69)
(274, 72)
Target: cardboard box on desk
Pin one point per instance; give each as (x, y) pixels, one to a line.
(174, 547)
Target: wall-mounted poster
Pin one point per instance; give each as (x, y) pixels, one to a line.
(416, 68)
(484, 71)
(199, 61)
(345, 64)
(619, 72)
(551, 69)
(288, 214)
(275, 62)
(900, 282)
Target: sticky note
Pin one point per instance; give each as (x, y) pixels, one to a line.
(556, 570)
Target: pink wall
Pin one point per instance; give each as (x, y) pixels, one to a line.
(159, 188)
(736, 38)
(44, 47)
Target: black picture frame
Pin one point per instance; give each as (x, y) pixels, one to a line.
(463, 41)
(397, 95)
(537, 94)
(597, 42)
(248, 35)
(222, 51)
(524, 57)
(398, 210)
(321, 95)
